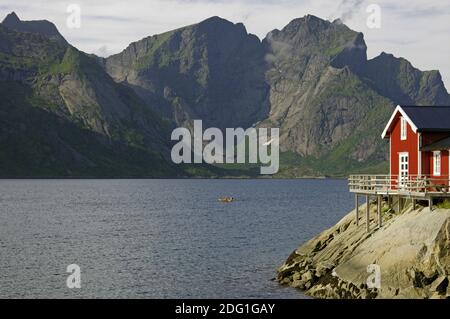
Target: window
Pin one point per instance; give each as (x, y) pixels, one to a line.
(437, 163)
(402, 128)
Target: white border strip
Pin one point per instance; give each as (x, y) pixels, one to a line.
(402, 112)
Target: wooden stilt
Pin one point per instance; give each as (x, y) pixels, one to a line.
(379, 211)
(399, 205)
(414, 203)
(367, 212)
(357, 209)
(430, 204)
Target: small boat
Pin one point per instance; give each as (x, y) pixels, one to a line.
(227, 199)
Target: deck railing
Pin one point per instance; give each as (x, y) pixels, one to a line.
(417, 184)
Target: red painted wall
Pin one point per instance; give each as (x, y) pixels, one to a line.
(409, 145)
(426, 163)
(427, 157)
(444, 164)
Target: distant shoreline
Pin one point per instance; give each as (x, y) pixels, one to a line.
(169, 178)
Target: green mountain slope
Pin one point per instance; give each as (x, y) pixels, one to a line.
(65, 116)
(113, 117)
(37, 143)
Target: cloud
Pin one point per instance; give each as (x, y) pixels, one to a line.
(103, 51)
(415, 29)
(109, 18)
(281, 49)
(347, 8)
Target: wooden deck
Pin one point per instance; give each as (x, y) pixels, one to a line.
(412, 186)
(396, 190)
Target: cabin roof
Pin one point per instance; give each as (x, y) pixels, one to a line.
(443, 144)
(423, 118)
(429, 118)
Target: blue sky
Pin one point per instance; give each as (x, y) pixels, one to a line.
(418, 30)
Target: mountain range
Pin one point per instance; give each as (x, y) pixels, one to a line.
(67, 113)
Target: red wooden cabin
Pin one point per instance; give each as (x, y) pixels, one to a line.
(419, 138)
(419, 145)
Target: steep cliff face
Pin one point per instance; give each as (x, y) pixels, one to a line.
(212, 71)
(398, 80)
(411, 251)
(315, 97)
(68, 86)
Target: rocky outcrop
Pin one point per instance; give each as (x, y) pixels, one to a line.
(412, 251)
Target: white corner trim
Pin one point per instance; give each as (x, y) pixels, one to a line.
(398, 109)
(390, 157)
(419, 154)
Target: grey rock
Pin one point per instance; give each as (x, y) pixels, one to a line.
(307, 276)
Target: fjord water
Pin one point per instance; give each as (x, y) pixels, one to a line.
(158, 238)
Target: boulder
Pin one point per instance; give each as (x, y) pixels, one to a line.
(307, 276)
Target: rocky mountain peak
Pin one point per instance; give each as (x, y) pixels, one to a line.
(215, 20)
(11, 19)
(43, 27)
(218, 28)
(317, 41)
(308, 22)
(311, 33)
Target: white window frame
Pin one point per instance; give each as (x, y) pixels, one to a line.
(437, 163)
(403, 128)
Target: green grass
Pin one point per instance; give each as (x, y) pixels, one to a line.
(445, 204)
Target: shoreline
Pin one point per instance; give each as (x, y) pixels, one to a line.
(170, 178)
(411, 252)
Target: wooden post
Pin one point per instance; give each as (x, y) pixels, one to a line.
(430, 203)
(357, 209)
(367, 212)
(399, 204)
(379, 211)
(414, 203)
